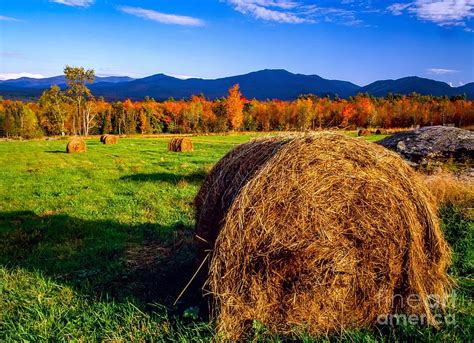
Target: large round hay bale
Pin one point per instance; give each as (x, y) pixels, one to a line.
(380, 132)
(318, 233)
(224, 182)
(363, 132)
(76, 145)
(180, 144)
(102, 138)
(110, 139)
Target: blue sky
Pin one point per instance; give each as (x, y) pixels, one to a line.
(355, 40)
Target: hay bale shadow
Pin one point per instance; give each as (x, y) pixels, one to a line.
(150, 262)
(195, 177)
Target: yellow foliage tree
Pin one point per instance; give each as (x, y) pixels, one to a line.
(234, 108)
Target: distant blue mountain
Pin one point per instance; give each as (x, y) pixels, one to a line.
(408, 85)
(28, 82)
(467, 89)
(264, 84)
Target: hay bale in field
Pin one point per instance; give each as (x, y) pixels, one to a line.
(102, 138)
(76, 145)
(180, 144)
(363, 132)
(380, 132)
(318, 233)
(110, 139)
(224, 182)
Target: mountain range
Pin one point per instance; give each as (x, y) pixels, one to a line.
(264, 84)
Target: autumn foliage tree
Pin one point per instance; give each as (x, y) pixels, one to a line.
(234, 108)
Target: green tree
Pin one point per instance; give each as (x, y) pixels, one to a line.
(77, 77)
(53, 102)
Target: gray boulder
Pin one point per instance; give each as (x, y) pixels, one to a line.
(437, 143)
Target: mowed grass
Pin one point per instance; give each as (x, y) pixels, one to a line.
(97, 246)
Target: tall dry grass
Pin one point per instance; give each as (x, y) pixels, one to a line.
(452, 190)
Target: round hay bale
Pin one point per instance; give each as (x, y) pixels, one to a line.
(102, 138)
(224, 182)
(380, 132)
(76, 145)
(110, 139)
(180, 144)
(363, 132)
(318, 233)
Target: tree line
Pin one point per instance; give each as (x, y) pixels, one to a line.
(75, 111)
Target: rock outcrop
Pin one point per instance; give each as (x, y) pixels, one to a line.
(432, 143)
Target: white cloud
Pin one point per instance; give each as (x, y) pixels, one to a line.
(162, 17)
(284, 4)
(5, 18)
(441, 71)
(280, 11)
(445, 12)
(74, 3)
(292, 12)
(10, 76)
(441, 12)
(397, 9)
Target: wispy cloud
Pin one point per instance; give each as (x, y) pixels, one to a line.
(5, 18)
(281, 11)
(11, 54)
(10, 76)
(162, 17)
(75, 3)
(441, 71)
(397, 9)
(441, 12)
(292, 12)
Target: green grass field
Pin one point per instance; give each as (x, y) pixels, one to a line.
(97, 246)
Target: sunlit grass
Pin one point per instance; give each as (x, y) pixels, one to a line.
(97, 246)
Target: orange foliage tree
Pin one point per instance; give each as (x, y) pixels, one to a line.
(234, 107)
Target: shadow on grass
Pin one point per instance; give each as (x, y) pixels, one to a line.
(196, 177)
(149, 262)
(55, 152)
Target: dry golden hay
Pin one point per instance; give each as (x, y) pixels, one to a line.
(180, 144)
(363, 132)
(451, 190)
(102, 138)
(223, 183)
(110, 139)
(380, 132)
(318, 233)
(76, 145)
